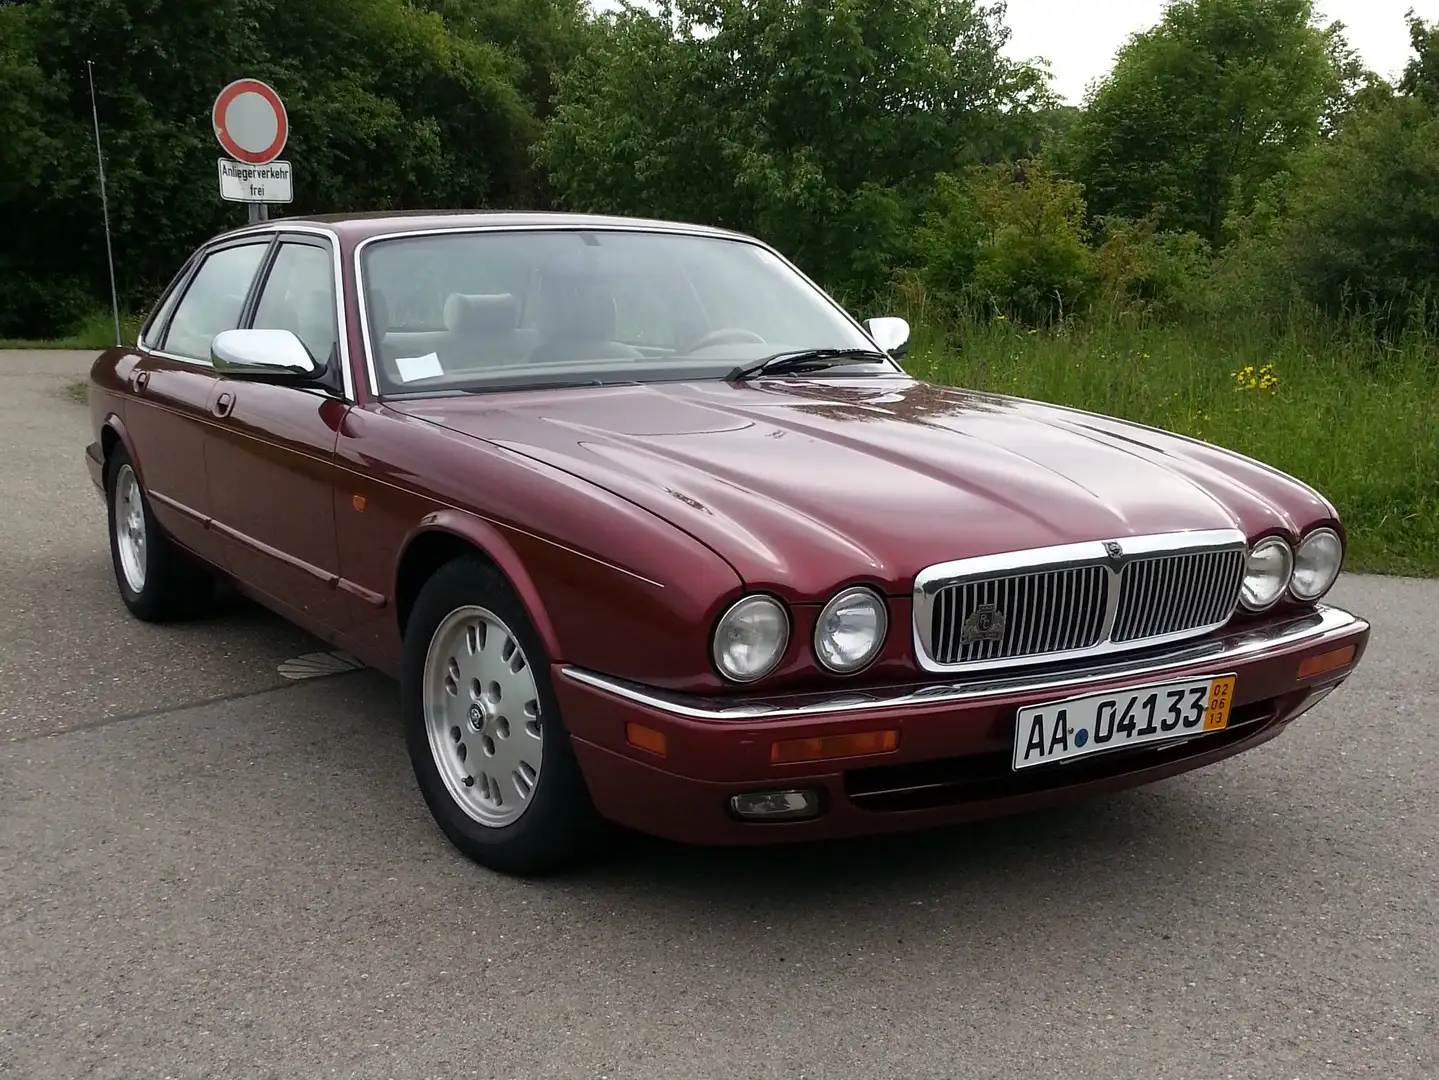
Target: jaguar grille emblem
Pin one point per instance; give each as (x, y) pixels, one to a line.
(985, 623)
(1114, 550)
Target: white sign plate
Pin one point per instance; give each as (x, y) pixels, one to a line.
(272, 183)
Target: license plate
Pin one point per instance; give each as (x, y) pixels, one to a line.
(1121, 719)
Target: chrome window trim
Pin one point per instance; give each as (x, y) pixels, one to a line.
(929, 581)
(616, 226)
(272, 229)
(1303, 631)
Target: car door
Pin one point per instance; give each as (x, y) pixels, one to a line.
(271, 454)
(173, 384)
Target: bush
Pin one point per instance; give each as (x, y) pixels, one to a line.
(1034, 263)
(38, 308)
(1146, 272)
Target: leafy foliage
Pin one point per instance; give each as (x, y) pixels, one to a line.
(1205, 107)
(390, 107)
(1238, 159)
(816, 125)
(1010, 239)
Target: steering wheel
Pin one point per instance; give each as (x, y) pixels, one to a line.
(726, 336)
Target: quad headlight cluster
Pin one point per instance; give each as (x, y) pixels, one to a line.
(1305, 573)
(752, 636)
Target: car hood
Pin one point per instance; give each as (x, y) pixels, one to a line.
(805, 484)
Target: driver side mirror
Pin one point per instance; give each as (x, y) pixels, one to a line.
(890, 334)
(264, 353)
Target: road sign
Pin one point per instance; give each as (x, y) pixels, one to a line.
(270, 183)
(250, 122)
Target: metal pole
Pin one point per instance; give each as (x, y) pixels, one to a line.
(258, 212)
(104, 204)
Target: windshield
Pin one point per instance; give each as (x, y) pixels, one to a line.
(489, 310)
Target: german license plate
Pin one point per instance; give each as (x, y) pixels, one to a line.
(1120, 719)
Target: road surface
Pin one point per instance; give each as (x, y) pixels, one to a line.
(209, 870)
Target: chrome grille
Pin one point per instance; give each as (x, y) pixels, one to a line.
(1174, 593)
(1054, 611)
(1075, 601)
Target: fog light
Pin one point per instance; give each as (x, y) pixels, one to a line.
(776, 805)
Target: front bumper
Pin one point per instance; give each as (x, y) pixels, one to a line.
(953, 759)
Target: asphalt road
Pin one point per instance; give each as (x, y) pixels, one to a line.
(207, 869)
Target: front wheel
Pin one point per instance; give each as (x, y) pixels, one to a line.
(490, 753)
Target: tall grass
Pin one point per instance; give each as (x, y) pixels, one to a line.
(1353, 416)
(95, 331)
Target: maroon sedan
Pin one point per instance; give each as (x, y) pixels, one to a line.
(652, 532)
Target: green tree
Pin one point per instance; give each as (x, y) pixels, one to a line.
(1353, 226)
(817, 124)
(390, 107)
(1202, 109)
(1421, 76)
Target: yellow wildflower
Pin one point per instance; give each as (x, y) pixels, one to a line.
(1250, 378)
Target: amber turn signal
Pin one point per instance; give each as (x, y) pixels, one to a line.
(644, 738)
(1318, 665)
(833, 746)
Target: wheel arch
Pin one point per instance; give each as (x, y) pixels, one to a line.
(113, 434)
(446, 535)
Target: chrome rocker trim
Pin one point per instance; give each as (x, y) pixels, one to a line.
(1305, 630)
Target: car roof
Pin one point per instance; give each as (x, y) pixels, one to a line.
(359, 226)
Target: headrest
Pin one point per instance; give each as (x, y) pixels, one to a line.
(481, 313)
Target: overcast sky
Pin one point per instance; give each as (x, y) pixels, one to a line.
(1080, 37)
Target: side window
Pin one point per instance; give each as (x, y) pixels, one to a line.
(299, 297)
(214, 300)
(155, 324)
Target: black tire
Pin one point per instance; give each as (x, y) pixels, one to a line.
(175, 586)
(559, 828)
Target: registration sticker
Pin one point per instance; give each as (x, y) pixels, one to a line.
(1119, 719)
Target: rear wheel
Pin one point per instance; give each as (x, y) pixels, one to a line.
(158, 582)
(490, 753)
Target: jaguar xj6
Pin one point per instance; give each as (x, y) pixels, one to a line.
(651, 532)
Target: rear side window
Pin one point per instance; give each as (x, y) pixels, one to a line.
(214, 300)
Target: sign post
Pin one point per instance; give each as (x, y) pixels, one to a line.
(252, 126)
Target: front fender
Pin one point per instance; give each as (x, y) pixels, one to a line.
(480, 534)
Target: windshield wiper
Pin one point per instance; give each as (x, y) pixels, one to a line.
(802, 360)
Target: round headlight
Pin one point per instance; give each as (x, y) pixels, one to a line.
(1266, 574)
(751, 638)
(1316, 564)
(850, 631)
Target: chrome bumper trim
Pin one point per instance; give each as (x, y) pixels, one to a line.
(1302, 631)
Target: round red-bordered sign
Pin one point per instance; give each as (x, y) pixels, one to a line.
(250, 122)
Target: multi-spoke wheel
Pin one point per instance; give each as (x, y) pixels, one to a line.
(157, 580)
(482, 714)
(489, 750)
(130, 528)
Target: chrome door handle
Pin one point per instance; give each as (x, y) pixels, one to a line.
(223, 404)
(142, 380)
